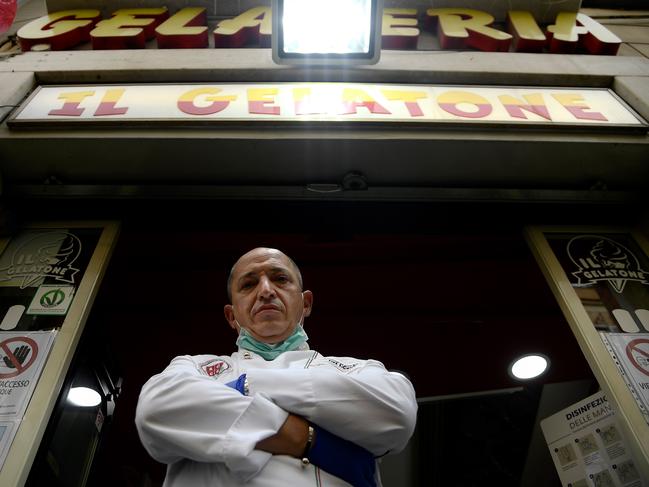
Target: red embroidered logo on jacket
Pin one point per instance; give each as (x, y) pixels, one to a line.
(215, 367)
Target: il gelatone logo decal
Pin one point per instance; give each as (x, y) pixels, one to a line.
(50, 254)
(603, 259)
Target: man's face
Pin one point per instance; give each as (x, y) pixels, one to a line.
(266, 296)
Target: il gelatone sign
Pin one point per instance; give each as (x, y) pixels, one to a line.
(319, 103)
(455, 28)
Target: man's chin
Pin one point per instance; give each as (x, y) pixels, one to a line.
(270, 335)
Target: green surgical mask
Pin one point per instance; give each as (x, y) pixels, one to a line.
(272, 351)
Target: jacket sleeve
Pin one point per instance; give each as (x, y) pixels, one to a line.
(369, 406)
(182, 413)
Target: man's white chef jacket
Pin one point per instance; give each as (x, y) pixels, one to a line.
(206, 432)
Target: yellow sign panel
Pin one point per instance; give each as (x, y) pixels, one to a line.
(325, 102)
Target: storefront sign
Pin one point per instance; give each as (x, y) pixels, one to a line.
(456, 28)
(325, 102)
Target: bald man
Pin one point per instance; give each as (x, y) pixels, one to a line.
(274, 413)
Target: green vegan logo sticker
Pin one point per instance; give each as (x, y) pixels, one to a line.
(52, 298)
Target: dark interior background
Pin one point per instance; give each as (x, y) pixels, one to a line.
(448, 294)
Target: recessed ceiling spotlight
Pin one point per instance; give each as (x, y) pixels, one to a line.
(529, 366)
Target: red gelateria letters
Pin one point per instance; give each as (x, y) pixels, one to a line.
(7, 14)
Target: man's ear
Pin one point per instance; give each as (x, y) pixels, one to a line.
(308, 302)
(228, 311)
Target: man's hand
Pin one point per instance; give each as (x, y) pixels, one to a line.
(333, 454)
(337, 456)
(342, 458)
(292, 436)
(289, 440)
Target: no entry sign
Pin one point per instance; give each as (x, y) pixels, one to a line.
(22, 357)
(631, 353)
(638, 353)
(18, 354)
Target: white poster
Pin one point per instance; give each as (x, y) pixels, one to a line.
(631, 354)
(22, 357)
(7, 432)
(588, 447)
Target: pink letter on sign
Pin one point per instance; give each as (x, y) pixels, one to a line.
(451, 100)
(575, 104)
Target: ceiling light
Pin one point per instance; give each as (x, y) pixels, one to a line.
(326, 31)
(84, 396)
(529, 366)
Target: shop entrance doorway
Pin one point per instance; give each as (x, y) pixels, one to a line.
(449, 304)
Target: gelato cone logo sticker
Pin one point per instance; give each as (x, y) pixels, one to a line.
(602, 259)
(43, 255)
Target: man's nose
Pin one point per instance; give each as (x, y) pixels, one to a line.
(266, 289)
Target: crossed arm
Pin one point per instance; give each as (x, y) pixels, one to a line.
(184, 414)
(370, 407)
(291, 438)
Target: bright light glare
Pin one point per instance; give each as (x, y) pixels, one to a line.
(529, 366)
(84, 396)
(331, 26)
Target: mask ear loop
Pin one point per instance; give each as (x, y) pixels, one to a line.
(301, 320)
